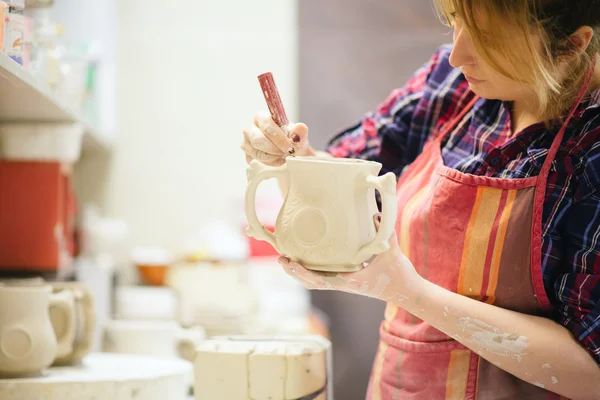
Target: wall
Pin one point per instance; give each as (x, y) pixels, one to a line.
(186, 87)
(354, 52)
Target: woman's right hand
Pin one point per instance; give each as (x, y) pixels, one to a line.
(268, 143)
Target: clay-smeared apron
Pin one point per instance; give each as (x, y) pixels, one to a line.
(479, 237)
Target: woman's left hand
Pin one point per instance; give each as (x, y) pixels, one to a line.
(389, 277)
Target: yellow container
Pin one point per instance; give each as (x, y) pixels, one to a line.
(2, 11)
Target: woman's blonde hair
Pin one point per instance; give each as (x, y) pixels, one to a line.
(553, 21)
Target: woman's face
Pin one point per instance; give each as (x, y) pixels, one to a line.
(483, 79)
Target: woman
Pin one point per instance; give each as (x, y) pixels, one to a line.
(493, 279)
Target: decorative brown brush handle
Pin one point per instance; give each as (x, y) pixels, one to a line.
(269, 89)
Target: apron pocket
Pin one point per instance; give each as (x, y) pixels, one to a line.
(419, 347)
(425, 371)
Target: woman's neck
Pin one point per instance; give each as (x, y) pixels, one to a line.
(523, 113)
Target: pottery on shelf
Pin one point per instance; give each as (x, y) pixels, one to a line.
(28, 343)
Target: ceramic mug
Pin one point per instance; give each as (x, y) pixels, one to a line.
(85, 326)
(58, 316)
(156, 338)
(82, 335)
(28, 343)
(326, 221)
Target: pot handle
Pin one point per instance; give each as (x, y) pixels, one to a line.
(386, 185)
(89, 327)
(63, 301)
(256, 173)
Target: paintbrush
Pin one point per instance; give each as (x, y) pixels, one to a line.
(271, 94)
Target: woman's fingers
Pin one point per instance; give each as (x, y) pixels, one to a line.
(274, 133)
(259, 155)
(257, 139)
(308, 278)
(393, 238)
(270, 144)
(377, 221)
(299, 135)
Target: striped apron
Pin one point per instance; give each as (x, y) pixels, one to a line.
(476, 236)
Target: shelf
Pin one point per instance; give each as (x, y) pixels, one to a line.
(23, 97)
(106, 376)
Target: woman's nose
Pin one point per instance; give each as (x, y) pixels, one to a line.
(462, 51)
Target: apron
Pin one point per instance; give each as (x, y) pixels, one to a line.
(477, 236)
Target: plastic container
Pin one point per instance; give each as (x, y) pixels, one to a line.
(43, 53)
(37, 215)
(41, 141)
(14, 30)
(3, 6)
(27, 46)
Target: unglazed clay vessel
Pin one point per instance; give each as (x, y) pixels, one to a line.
(85, 322)
(28, 343)
(326, 221)
(264, 367)
(80, 334)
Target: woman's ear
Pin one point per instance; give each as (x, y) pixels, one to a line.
(580, 40)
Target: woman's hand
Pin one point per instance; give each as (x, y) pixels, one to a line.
(390, 276)
(268, 143)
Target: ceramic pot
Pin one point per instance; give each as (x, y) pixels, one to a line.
(326, 221)
(28, 343)
(81, 335)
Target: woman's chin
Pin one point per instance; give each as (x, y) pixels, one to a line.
(477, 87)
(484, 91)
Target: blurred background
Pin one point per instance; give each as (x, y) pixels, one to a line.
(120, 126)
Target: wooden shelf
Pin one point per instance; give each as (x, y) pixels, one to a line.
(23, 97)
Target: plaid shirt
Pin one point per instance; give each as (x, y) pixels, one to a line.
(395, 134)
